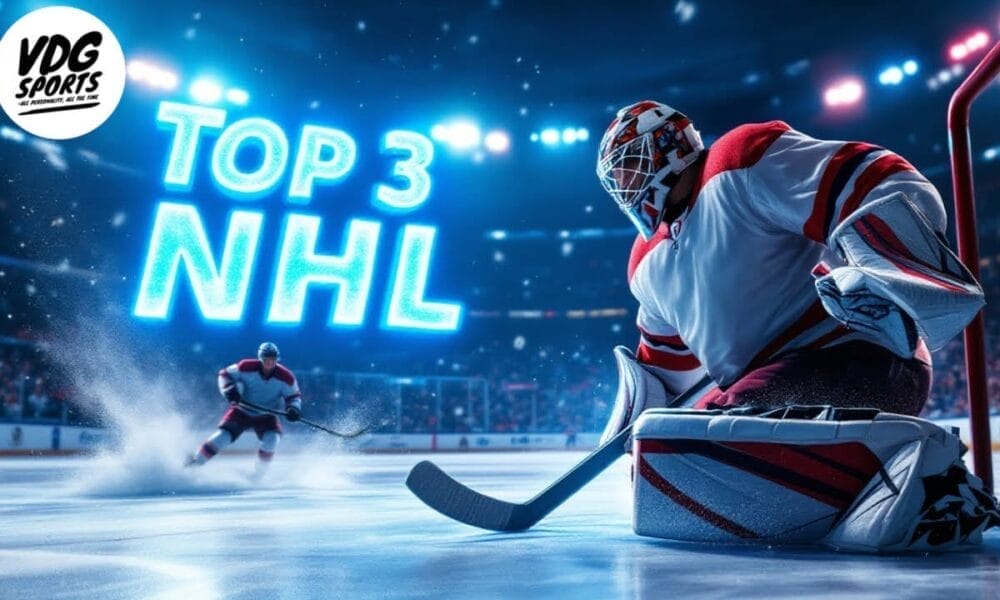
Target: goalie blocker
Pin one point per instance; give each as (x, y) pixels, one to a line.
(852, 479)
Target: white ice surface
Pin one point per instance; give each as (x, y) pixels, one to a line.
(333, 526)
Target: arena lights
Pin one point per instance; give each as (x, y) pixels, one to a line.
(180, 242)
(151, 75)
(944, 76)
(846, 92)
(497, 142)
(460, 135)
(891, 76)
(551, 136)
(895, 74)
(959, 51)
(237, 96)
(205, 91)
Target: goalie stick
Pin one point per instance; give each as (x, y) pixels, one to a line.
(451, 498)
(281, 413)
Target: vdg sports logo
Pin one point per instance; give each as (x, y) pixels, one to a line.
(62, 72)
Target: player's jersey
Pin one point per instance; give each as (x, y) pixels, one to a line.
(728, 285)
(277, 391)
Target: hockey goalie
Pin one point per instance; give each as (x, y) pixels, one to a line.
(808, 279)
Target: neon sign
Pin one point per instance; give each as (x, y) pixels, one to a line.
(179, 242)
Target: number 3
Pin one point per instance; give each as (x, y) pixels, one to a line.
(412, 168)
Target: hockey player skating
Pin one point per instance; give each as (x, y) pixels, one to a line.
(261, 382)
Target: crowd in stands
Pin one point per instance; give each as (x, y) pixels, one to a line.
(497, 388)
(27, 388)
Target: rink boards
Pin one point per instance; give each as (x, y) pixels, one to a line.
(41, 439)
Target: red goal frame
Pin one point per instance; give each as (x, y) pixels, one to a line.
(968, 251)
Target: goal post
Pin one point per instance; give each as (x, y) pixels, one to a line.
(968, 251)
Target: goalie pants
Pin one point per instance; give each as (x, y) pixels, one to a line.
(852, 374)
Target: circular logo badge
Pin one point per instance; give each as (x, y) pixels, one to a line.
(62, 72)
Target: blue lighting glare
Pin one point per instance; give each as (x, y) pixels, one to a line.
(274, 146)
(179, 236)
(910, 67)
(237, 96)
(550, 137)
(413, 169)
(891, 76)
(205, 91)
(187, 121)
(309, 165)
(299, 266)
(407, 308)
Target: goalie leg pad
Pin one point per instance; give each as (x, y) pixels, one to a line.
(854, 479)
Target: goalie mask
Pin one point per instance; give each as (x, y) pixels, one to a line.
(641, 157)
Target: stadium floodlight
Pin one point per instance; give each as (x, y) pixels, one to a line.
(534, 136)
(550, 136)
(582, 134)
(150, 75)
(958, 51)
(844, 93)
(910, 67)
(237, 96)
(891, 76)
(205, 91)
(460, 135)
(498, 234)
(463, 135)
(497, 142)
(991, 153)
(439, 133)
(977, 41)
(14, 135)
(569, 135)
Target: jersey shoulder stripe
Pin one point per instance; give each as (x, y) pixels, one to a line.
(739, 148)
(248, 365)
(838, 172)
(873, 175)
(284, 375)
(742, 147)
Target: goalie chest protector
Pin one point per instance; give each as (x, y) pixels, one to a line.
(851, 478)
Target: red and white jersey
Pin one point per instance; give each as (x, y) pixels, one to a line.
(277, 391)
(728, 285)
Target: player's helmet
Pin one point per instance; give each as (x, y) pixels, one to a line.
(268, 350)
(641, 156)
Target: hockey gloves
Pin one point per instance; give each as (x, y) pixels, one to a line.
(232, 395)
(292, 413)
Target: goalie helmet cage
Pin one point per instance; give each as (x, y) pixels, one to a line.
(968, 251)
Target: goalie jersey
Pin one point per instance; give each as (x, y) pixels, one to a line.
(728, 285)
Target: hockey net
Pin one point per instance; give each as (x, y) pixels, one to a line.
(968, 250)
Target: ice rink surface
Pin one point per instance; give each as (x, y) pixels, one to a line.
(330, 525)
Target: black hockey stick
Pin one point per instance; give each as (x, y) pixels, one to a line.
(281, 413)
(444, 494)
